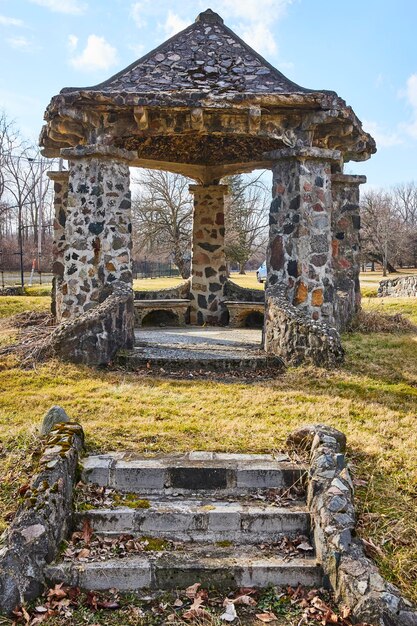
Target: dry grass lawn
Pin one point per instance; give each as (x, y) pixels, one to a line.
(372, 398)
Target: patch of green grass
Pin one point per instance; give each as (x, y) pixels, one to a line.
(39, 290)
(372, 398)
(10, 305)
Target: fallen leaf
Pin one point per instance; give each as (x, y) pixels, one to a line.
(87, 531)
(83, 554)
(266, 617)
(305, 547)
(178, 602)
(191, 591)
(197, 613)
(57, 592)
(245, 599)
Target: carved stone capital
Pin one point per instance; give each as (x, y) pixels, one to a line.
(304, 153)
(60, 176)
(348, 179)
(210, 189)
(97, 151)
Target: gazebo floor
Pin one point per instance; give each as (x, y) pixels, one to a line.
(197, 348)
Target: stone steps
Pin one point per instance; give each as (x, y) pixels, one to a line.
(185, 473)
(220, 568)
(219, 512)
(199, 520)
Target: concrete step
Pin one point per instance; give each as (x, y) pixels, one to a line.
(176, 359)
(220, 568)
(185, 473)
(201, 521)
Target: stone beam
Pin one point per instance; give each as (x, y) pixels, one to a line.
(208, 265)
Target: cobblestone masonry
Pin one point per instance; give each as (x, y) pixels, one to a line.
(98, 228)
(346, 246)
(208, 269)
(94, 337)
(299, 251)
(402, 287)
(60, 180)
(43, 519)
(294, 337)
(354, 578)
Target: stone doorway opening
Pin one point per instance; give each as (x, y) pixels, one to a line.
(159, 317)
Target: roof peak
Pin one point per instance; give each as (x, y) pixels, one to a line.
(210, 17)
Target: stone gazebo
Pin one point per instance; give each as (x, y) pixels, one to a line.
(206, 105)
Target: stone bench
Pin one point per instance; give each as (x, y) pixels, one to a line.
(173, 312)
(240, 311)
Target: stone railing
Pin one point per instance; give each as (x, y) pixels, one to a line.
(43, 519)
(179, 292)
(94, 337)
(232, 291)
(295, 338)
(354, 578)
(401, 287)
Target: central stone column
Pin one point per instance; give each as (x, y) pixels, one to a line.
(300, 244)
(208, 265)
(98, 229)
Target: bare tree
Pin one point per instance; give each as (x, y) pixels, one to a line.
(162, 213)
(381, 230)
(405, 206)
(246, 218)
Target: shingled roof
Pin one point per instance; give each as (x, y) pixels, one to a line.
(207, 57)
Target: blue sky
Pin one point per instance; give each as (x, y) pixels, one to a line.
(366, 50)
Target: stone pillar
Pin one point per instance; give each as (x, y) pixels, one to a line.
(208, 264)
(346, 245)
(98, 227)
(60, 180)
(300, 242)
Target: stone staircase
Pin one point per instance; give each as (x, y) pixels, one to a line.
(216, 512)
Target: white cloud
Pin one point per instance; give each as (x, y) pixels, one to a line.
(411, 95)
(19, 43)
(383, 138)
(71, 7)
(259, 36)
(257, 20)
(97, 55)
(136, 12)
(10, 21)
(173, 24)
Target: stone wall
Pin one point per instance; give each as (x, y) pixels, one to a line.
(232, 291)
(179, 292)
(208, 271)
(98, 227)
(94, 337)
(300, 239)
(43, 519)
(354, 578)
(401, 287)
(294, 337)
(346, 247)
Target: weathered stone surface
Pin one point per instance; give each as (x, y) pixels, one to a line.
(60, 180)
(55, 415)
(354, 577)
(401, 287)
(42, 521)
(303, 437)
(300, 250)
(346, 247)
(94, 337)
(208, 270)
(291, 335)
